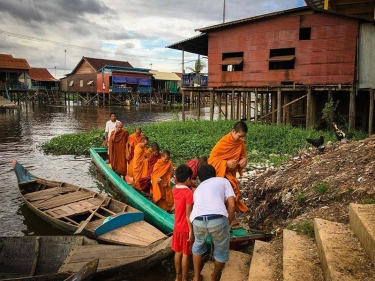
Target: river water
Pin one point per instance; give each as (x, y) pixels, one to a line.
(23, 131)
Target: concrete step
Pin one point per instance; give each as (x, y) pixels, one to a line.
(236, 269)
(362, 223)
(341, 254)
(300, 258)
(263, 265)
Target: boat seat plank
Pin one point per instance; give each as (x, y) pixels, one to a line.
(137, 233)
(47, 193)
(109, 256)
(75, 208)
(62, 200)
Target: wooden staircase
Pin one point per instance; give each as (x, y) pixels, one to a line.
(339, 252)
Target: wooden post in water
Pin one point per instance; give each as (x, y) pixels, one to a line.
(371, 111)
(212, 105)
(183, 105)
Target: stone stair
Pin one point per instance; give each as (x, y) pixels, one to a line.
(339, 252)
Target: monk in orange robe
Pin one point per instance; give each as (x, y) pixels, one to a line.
(229, 157)
(140, 162)
(194, 164)
(117, 149)
(161, 177)
(145, 183)
(134, 139)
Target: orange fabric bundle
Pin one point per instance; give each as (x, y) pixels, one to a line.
(161, 191)
(226, 149)
(117, 151)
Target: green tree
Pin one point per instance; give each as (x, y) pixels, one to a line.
(198, 67)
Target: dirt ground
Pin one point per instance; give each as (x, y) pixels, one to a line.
(311, 184)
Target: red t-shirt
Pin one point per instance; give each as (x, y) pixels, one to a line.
(182, 196)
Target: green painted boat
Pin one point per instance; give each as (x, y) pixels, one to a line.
(240, 238)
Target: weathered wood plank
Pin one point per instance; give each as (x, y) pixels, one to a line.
(43, 194)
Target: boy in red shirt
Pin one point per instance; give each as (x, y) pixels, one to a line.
(183, 236)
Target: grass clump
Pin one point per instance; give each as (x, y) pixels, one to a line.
(321, 187)
(301, 197)
(305, 228)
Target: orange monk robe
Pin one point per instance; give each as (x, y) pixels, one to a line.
(140, 164)
(145, 183)
(117, 151)
(148, 152)
(133, 141)
(162, 191)
(229, 149)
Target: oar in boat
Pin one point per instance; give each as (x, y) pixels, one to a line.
(83, 225)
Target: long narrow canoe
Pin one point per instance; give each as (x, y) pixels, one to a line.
(78, 210)
(240, 238)
(53, 258)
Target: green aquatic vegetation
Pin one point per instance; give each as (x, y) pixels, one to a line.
(185, 140)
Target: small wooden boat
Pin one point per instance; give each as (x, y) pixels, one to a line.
(74, 257)
(240, 237)
(77, 210)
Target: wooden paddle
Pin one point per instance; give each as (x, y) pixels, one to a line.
(83, 225)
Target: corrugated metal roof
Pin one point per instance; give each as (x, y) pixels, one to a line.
(231, 61)
(8, 62)
(100, 63)
(41, 74)
(167, 76)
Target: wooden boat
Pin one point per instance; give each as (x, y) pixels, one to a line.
(240, 238)
(77, 210)
(40, 258)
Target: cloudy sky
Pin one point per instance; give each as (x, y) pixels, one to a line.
(55, 34)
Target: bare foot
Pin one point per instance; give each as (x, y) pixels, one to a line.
(14, 162)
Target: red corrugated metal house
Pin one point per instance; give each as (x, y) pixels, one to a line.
(296, 60)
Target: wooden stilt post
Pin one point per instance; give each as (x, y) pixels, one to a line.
(232, 106)
(256, 105)
(279, 104)
(248, 106)
(226, 106)
(219, 102)
(212, 105)
(273, 107)
(239, 95)
(183, 105)
(371, 111)
(352, 109)
(308, 108)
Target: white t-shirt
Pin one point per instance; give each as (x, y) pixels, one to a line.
(109, 127)
(210, 197)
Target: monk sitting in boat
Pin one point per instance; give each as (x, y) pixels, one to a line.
(117, 149)
(229, 157)
(160, 178)
(140, 162)
(145, 182)
(134, 139)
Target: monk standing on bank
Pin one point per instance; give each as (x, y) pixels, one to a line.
(229, 157)
(134, 139)
(117, 149)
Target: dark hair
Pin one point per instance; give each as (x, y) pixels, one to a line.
(155, 146)
(112, 113)
(166, 152)
(206, 171)
(183, 172)
(202, 160)
(240, 126)
(144, 138)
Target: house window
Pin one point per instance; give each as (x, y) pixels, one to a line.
(91, 83)
(80, 83)
(71, 83)
(281, 58)
(232, 62)
(304, 33)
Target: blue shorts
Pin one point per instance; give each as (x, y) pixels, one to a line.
(219, 231)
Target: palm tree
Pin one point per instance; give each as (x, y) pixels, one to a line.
(199, 65)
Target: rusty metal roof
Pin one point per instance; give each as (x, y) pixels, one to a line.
(41, 74)
(360, 8)
(100, 63)
(196, 45)
(9, 62)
